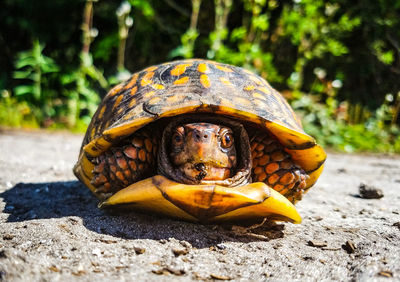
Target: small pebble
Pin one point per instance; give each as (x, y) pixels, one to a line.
(221, 246)
(386, 273)
(349, 247)
(139, 250)
(8, 236)
(179, 251)
(369, 192)
(397, 224)
(174, 271)
(219, 277)
(317, 244)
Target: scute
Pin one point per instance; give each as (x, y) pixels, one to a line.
(196, 86)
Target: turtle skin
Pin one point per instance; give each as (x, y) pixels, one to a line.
(121, 142)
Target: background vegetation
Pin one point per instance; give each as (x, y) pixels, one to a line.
(337, 62)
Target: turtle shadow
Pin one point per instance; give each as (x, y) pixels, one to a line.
(33, 201)
(28, 201)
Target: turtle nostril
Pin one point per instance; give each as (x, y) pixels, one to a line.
(205, 136)
(200, 167)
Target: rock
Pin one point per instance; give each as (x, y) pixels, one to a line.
(221, 246)
(317, 244)
(397, 224)
(139, 250)
(369, 192)
(349, 247)
(219, 277)
(179, 251)
(386, 273)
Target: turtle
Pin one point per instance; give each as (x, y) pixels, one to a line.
(201, 141)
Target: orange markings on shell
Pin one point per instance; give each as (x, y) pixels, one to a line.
(146, 79)
(158, 86)
(132, 81)
(205, 81)
(101, 113)
(131, 104)
(117, 101)
(255, 79)
(173, 98)
(115, 90)
(259, 96)
(149, 94)
(222, 68)
(225, 81)
(226, 103)
(134, 90)
(154, 100)
(243, 102)
(182, 80)
(93, 132)
(264, 89)
(249, 87)
(152, 68)
(179, 69)
(202, 68)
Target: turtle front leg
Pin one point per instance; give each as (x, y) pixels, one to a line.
(125, 163)
(273, 166)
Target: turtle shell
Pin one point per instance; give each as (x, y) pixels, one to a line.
(190, 87)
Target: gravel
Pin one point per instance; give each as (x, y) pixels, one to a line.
(51, 228)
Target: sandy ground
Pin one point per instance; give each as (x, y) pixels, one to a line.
(51, 228)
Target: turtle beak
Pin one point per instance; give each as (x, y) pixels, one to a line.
(205, 203)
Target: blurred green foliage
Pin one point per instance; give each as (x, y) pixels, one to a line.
(337, 62)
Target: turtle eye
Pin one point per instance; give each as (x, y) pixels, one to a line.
(226, 139)
(177, 137)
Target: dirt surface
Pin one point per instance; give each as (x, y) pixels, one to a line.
(51, 228)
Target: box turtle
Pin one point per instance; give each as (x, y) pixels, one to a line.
(201, 141)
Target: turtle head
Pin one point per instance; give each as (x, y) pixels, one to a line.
(203, 151)
(199, 149)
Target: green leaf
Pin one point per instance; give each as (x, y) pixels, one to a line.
(22, 74)
(23, 90)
